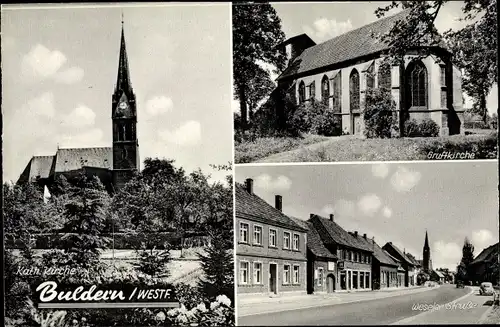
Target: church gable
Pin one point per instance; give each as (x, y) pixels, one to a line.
(38, 167)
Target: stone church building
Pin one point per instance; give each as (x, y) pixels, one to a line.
(113, 165)
(340, 71)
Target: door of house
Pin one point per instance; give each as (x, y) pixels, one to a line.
(330, 282)
(387, 278)
(273, 281)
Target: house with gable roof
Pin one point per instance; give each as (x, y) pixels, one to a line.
(384, 266)
(485, 266)
(339, 71)
(271, 250)
(406, 263)
(321, 262)
(354, 256)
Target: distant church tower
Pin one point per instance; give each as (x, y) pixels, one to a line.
(427, 263)
(124, 116)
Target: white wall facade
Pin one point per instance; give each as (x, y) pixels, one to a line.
(435, 110)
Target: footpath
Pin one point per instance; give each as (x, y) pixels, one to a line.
(469, 309)
(262, 304)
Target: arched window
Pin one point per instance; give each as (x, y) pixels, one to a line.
(370, 77)
(417, 80)
(325, 89)
(354, 90)
(312, 90)
(121, 132)
(302, 92)
(384, 76)
(337, 92)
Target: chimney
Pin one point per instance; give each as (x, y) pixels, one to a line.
(356, 233)
(249, 185)
(364, 236)
(331, 217)
(278, 202)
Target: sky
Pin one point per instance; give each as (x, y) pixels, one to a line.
(59, 68)
(323, 21)
(393, 202)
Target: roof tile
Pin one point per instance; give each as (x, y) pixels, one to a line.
(251, 206)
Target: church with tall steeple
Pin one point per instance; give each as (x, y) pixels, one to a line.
(427, 262)
(114, 165)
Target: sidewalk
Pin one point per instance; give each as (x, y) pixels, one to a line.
(263, 304)
(469, 309)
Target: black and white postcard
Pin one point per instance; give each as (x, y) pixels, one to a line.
(117, 151)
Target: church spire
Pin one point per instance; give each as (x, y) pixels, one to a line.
(426, 244)
(123, 79)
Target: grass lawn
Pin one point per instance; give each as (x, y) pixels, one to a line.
(251, 151)
(482, 146)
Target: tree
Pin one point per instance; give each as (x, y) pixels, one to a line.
(85, 214)
(259, 88)
(256, 34)
(218, 268)
(467, 258)
(379, 114)
(474, 47)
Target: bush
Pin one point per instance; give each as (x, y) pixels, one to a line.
(411, 128)
(429, 128)
(218, 313)
(484, 148)
(426, 128)
(315, 117)
(379, 114)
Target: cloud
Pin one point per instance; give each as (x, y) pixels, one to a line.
(324, 28)
(327, 210)
(380, 170)
(159, 105)
(43, 63)
(280, 183)
(90, 138)
(369, 204)
(69, 76)
(188, 134)
(42, 105)
(387, 212)
(403, 180)
(79, 117)
(445, 255)
(481, 239)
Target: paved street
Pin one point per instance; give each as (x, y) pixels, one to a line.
(387, 310)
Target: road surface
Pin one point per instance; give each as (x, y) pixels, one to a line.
(379, 311)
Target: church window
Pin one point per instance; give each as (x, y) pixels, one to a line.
(370, 77)
(418, 84)
(312, 90)
(302, 92)
(442, 69)
(128, 131)
(337, 91)
(354, 90)
(325, 89)
(384, 76)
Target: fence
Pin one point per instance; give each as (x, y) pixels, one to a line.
(118, 240)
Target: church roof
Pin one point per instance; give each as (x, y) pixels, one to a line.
(252, 207)
(75, 158)
(348, 46)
